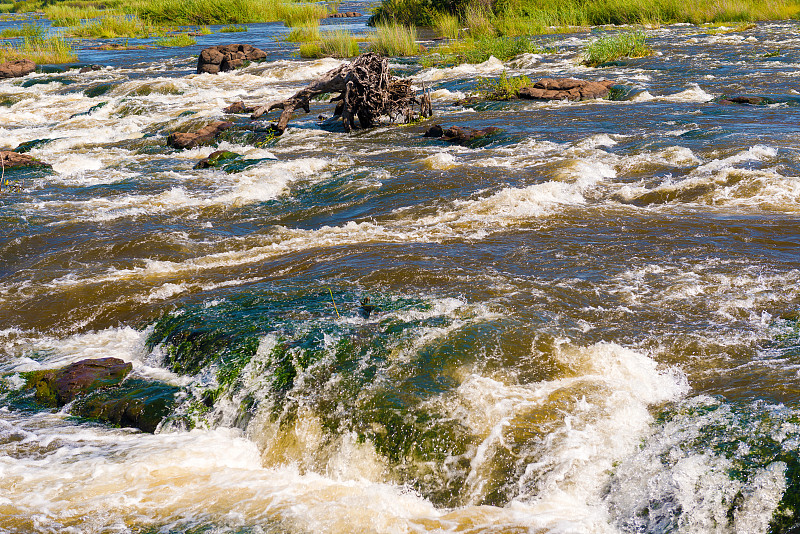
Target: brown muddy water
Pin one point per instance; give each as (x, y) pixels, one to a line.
(587, 324)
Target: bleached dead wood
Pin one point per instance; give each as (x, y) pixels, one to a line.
(367, 91)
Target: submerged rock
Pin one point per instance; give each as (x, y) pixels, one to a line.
(566, 89)
(89, 68)
(746, 100)
(136, 403)
(12, 160)
(460, 135)
(204, 136)
(17, 69)
(344, 15)
(57, 387)
(217, 159)
(239, 107)
(223, 58)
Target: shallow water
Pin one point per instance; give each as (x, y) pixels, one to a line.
(588, 324)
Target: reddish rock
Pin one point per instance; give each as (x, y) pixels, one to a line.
(227, 57)
(10, 160)
(204, 136)
(16, 69)
(239, 107)
(566, 89)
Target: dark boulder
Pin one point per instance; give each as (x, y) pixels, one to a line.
(11, 160)
(135, 403)
(239, 107)
(746, 100)
(460, 135)
(57, 387)
(89, 68)
(223, 58)
(204, 136)
(16, 69)
(566, 89)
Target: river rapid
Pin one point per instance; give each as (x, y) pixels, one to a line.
(586, 324)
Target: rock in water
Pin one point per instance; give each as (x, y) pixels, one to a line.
(223, 58)
(204, 136)
(566, 89)
(239, 107)
(136, 403)
(12, 160)
(16, 69)
(57, 387)
(217, 159)
(459, 135)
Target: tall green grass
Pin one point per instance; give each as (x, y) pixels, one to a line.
(545, 14)
(27, 30)
(301, 13)
(176, 40)
(71, 15)
(503, 88)
(395, 40)
(198, 12)
(331, 44)
(110, 26)
(304, 34)
(233, 29)
(447, 25)
(40, 50)
(611, 47)
(478, 50)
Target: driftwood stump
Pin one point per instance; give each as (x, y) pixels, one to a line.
(366, 90)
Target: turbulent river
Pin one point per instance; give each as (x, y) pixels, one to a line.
(586, 324)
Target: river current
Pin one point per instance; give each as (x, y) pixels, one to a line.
(585, 324)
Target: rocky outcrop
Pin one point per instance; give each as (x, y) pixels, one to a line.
(746, 100)
(239, 107)
(89, 68)
(204, 136)
(461, 136)
(16, 69)
(566, 89)
(227, 57)
(57, 387)
(344, 15)
(11, 160)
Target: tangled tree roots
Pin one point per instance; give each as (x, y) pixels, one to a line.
(366, 90)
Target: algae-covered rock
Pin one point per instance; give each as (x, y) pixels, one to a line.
(136, 403)
(57, 387)
(217, 159)
(12, 160)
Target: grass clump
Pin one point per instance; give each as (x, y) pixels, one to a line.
(40, 50)
(301, 14)
(176, 40)
(27, 30)
(503, 88)
(110, 26)
(447, 25)
(233, 29)
(331, 44)
(304, 34)
(395, 40)
(478, 50)
(612, 47)
(71, 15)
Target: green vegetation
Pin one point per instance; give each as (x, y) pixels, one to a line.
(6, 8)
(503, 88)
(479, 50)
(301, 14)
(72, 15)
(304, 34)
(27, 30)
(611, 47)
(543, 15)
(233, 29)
(109, 27)
(331, 44)
(177, 40)
(40, 50)
(395, 40)
(447, 25)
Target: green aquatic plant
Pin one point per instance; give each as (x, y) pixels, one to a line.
(478, 51)
(232, 29)
(339, 43)
(608, 48)
(176, 40)
(447, 25)
(395, 40)
(111, 26)
(41, 50)
(304, 34)
(503, 88)
(33, 30)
